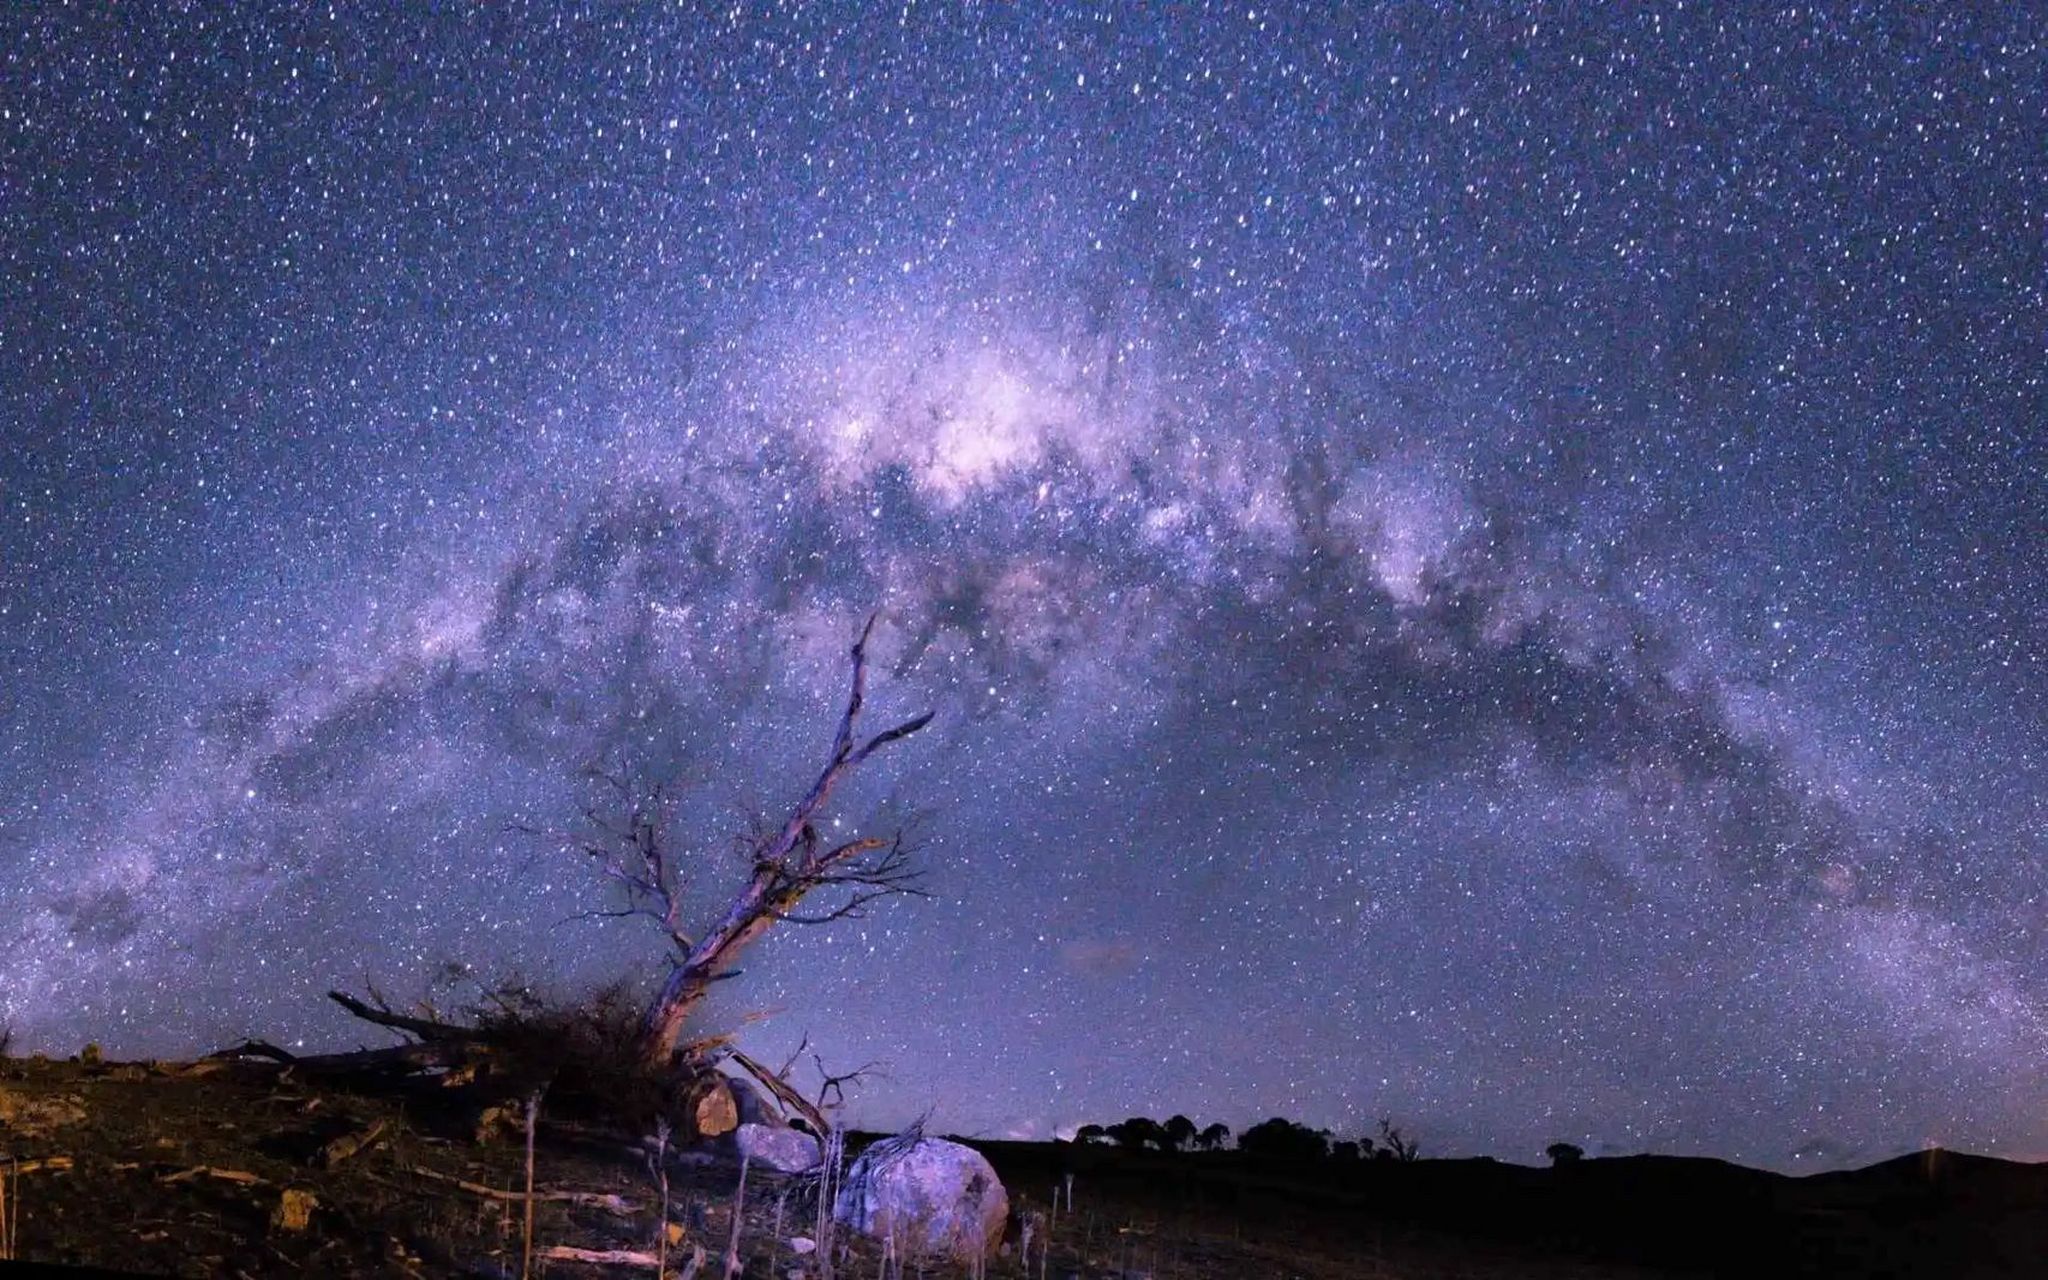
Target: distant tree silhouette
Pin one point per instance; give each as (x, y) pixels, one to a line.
(1348, 1151)
(1091, 1133)
(1283, 1141)
(1178, 1132)
(1395, 1145)
(1213, 1137)
(1563, 1153)
(1137, 1133)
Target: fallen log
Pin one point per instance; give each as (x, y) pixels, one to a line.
(256, 1049)
(397, 1058)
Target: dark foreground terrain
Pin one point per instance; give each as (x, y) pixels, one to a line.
(224, 1169)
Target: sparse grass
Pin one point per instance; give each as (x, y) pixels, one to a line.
(10, 1210)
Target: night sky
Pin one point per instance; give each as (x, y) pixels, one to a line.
(1485, 569)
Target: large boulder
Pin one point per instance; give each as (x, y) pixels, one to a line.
(775, 1147)
(930, 1198)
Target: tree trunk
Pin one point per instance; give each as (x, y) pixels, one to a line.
(662, 1025)
(766, 898)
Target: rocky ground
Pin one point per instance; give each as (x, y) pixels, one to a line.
(221, 1169)
(237, 1169)
(224, 1168)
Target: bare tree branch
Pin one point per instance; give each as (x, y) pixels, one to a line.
(832, 1093)
(794, 1054)
(425, 1028)
(783, 1091)
(791, 863)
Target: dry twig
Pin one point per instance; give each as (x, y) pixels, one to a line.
(600, 1257)
(240, 1176)
(616, 1204)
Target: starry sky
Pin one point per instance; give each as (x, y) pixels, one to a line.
(1484, 569)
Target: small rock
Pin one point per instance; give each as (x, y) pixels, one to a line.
(294, 1211)
(495, 1123)
(773, 1147)
(350, 1144)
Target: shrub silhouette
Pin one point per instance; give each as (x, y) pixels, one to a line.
(1213, 1137)
(1563, 1153)
(1283, 1141)
(585, 1048)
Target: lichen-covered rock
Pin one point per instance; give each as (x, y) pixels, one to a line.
(929, 1197)
(775, 1147)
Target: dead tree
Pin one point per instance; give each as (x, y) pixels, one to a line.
(628, 840)
(788, 863)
